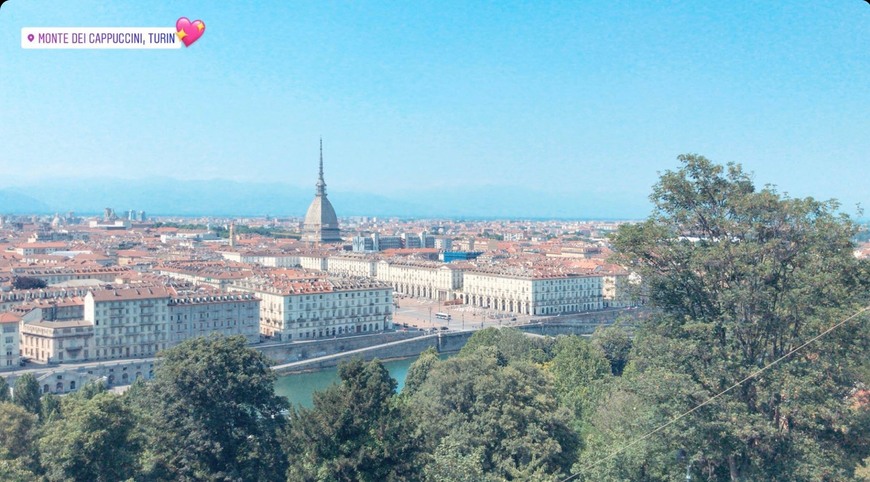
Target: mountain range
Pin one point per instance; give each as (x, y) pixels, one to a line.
(217, 197)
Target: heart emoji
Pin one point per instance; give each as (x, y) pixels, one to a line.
(187, 31)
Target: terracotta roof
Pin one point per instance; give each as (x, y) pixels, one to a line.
(9, 317)
(124, 294)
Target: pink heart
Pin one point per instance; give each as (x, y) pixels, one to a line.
(189, 32)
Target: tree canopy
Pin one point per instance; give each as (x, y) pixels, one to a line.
(355, 431)
(25, 394)
(94, 440)
(741, 277)
(211, 411)
(505, 417)
(28, 283)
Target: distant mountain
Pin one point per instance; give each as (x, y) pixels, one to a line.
(14, 201)
(166, 196)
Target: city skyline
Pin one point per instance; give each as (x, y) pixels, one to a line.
(585, 103)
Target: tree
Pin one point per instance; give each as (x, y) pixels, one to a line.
(581, 373)
(741, 277)
(15, 471)
(419, 370)
(4, 390)
(511, 343)
(453, 462)
(17, 429)
(50, 407)
(94, 440)
(355, 431)
(615, 342)
(92, 389)
(18, 457)
(28, 283)
(211, 413)
(26, 393)
(862, 472)
(505, 416)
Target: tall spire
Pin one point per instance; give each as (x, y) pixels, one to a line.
(321, 184)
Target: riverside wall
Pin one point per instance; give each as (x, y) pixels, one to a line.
(448, 342)
(290, 357)
(287, 352)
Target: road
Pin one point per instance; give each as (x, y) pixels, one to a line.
(420, 313)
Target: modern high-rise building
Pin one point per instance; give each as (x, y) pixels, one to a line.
(321, 223)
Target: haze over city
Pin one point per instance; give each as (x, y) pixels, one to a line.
(433, 108)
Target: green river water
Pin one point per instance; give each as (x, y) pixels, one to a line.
(300, 387)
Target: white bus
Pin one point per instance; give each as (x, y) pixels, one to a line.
(442, 316)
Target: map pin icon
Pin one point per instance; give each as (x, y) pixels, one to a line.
(30, 38)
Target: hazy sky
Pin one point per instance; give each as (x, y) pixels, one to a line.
(589, 95)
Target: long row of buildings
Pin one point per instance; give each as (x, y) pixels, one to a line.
(110, 322)
(541, 286)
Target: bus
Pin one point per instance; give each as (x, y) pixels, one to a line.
(442, 316)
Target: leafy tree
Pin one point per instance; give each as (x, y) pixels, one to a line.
(505, 413)
(91, 389)
(742, 276)
(452, 462)
(862, 473)
(615, 342)
(355, 431)
(4, 390)
(28, 283)
(17, 429)
(50, 406)
(18, 457)
(95, 440)
(628, 409)
(511, 343)
(15, 471)
(581, 373)
(211, 413)
(419, 370)
(26, 393)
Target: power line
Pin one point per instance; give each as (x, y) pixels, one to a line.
(714, 397)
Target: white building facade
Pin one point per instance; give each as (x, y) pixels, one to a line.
(304, 309)
(228, 314)
(10, 354)
(361, 266)
(422, 279)
(530, 295)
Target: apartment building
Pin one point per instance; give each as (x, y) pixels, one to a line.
(532, 293)
(423, 279)
(9, 353)
(131, 322)
(364, 266)
(59, 341)
(200, 314)
(55, 275)
(309, 307)
(263, 258)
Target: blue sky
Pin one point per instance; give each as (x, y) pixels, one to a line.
(592, 96)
